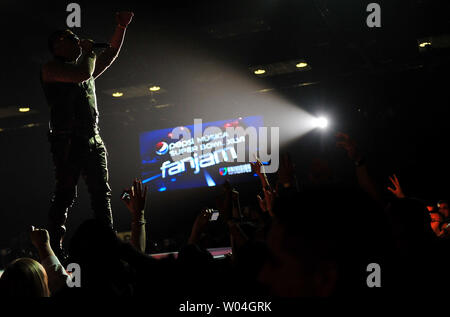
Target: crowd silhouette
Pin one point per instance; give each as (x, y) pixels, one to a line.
(296, 242)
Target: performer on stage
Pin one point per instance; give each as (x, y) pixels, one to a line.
(77, 148)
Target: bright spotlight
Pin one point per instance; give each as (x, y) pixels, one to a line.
(154, 88)
(321, 122)
(424, 44)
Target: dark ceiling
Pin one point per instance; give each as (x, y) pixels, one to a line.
(187, 47)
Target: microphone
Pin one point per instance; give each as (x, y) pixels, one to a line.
(101, 45)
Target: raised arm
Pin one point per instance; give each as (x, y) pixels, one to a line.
(57, 276)
(258, 169)
(362, 174)
(199, 226)
(108, 56)
(136, 204)
(265, 203)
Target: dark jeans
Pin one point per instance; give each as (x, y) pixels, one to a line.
(74, 156)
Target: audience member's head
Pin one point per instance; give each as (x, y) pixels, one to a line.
(194, 257)
(98, 251)
(94, 242)
(411, 223)
(24, 277)
(303, 244)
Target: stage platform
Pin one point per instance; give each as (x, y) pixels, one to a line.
(217, 253)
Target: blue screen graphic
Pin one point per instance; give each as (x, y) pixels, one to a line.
(172, 163)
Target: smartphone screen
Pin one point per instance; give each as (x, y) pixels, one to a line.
(215, 215)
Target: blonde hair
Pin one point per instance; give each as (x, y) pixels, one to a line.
(25, 277)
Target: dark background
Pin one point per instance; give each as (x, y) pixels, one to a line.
(374, 84)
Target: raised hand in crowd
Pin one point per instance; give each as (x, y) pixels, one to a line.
(396, 189)
(135, 200)
(349, 145)
(237, 236)
(225, 203)
(200, 223)
(41, 241)
(235, 205)
(258, 169)
(266, 204)
(57, 276)
(365, 181)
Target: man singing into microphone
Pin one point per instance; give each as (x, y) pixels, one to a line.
(77, 148)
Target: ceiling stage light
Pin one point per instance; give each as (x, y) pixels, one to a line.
(321, 122)
(154, 88)
(424, 44)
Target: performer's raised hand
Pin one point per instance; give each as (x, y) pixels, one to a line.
(124, 18)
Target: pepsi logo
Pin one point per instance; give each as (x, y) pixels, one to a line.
(223, 171)
(162, 148)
